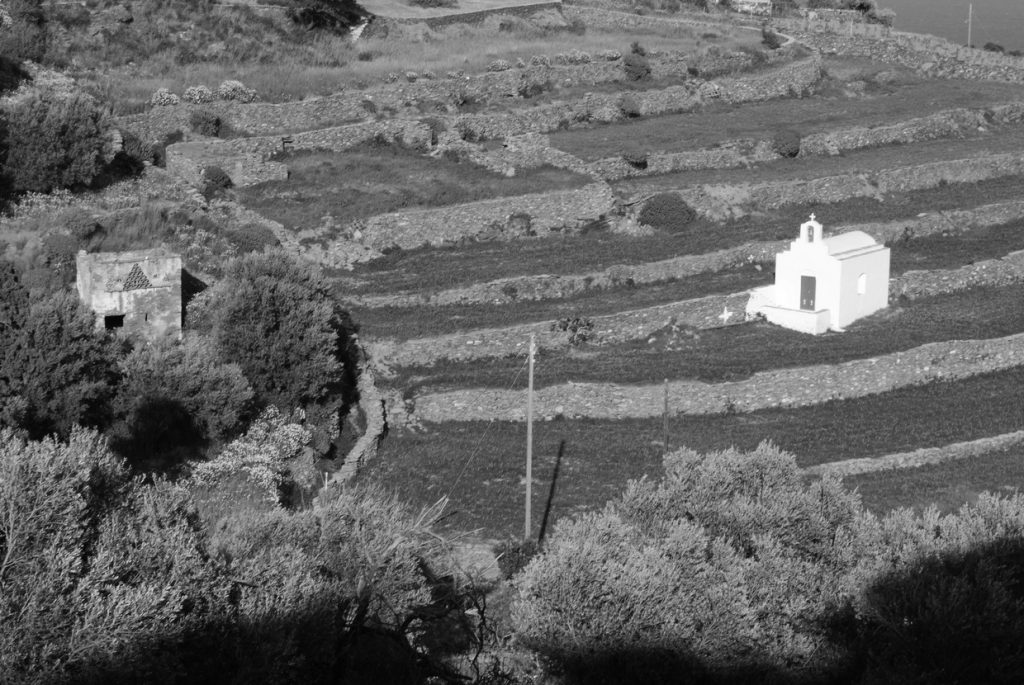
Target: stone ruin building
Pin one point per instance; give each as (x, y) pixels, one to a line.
(138, 292)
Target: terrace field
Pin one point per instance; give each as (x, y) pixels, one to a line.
(901, 95)
(480, 464)
(930, 252)
(427, 270)
(376, 179)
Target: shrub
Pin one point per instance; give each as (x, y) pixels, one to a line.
(994, 47)
(215, 180)
(235, 91)
(635, 158)
(60, 367)
(770, 39)
(579, 328)
(164, 98)
(636, 67)
(667, 212)
(434, 3)
(28, 34)
(610, 55)
(540, 61)
(176, 395)
(198, 95)
(786, 143)
(136, 148)
(55, 141)
(276, 317)
(252, 238)
(205, 123)
(629, 105)
(499, 65)
(514, 555)
(636, 49)
(576, 26)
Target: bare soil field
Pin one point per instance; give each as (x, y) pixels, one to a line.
(881, 104)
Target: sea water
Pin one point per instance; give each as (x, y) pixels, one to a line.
(994, 21)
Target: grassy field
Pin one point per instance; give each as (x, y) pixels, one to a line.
(930, 252)
(884, 104)
(948, 486)
(737, 352)
(375, 179)
(481, 465)
(427, 270)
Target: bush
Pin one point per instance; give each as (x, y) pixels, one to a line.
(770, 39)
(667, 212)
(252, 238)
(786, 143)
(215, 180)
(28, 35)
(56, 141)
(60, 367)
(636, 49)
(179, 395)
(499, 65)
(434, 3)
(276, 317)
(198, 95)
(205, 123)
(164, 98)
(635, 158)
(994, 47)
(579, 328)
(514, 555)
(235, 91)
(636, 67)
(629, 105)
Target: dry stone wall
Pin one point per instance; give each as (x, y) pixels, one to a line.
(555, 211)
(920, 457)
(722, 201)
(777, 388)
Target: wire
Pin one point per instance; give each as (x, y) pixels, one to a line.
(483, 436)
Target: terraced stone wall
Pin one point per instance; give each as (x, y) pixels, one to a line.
(505, 216)
(720, 201)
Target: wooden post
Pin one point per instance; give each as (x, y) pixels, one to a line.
(664, 421)
(529, 441)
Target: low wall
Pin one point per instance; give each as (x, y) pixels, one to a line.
(921, 457)
(721, 201)
(797, 387)
(554, 211)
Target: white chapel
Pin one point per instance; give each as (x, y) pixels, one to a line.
(825, 283)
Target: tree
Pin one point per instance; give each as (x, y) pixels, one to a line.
(276, 317)
(26, 38)
(13, 299)
(55, 141)
(60, 366)
(179, 395)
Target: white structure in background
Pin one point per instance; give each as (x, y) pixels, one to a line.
(761, 7)
(825, 283)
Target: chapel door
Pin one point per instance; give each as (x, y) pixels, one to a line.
(808, 286)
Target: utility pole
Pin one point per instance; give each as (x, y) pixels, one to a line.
(529, 440)
(970, 22)
(664, 422)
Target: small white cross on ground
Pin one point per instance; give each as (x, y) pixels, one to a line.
(725, 315)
